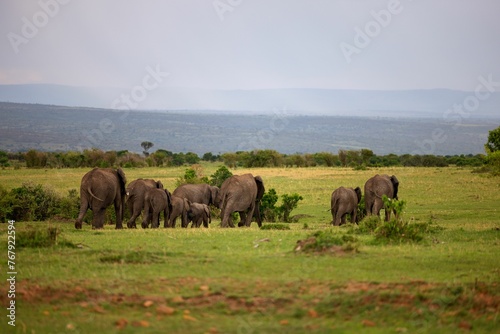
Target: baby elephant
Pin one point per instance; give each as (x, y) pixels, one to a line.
(199, 213)
(156, 201)
(345, 201)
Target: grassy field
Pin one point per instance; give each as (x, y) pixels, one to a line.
(247, 280)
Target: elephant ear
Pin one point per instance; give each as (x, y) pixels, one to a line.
(169, 200)
(122, 179)
(395, 184)
(358, 193)
(159, 185)
(260, 187)
(214, 193)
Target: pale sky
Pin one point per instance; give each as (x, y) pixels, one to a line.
(252, 44)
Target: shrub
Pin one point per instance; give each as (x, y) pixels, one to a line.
(327, 240)
(5, 206)
(191, 176)
(290, 202)
(40, 237)
(32, 202)
(275, 227)
(220, 175)
(69, 206)
(268, 206)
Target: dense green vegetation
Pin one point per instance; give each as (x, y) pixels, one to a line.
(258, 158)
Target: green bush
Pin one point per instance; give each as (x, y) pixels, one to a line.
(32, 202)
(220, 175)
(289, 202)
(275, 227)
(32, 237)
(268, 206)
(5, 206)
(69, 206)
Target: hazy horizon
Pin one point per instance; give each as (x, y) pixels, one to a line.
(221, 44)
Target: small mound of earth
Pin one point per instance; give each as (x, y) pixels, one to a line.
(310, 245)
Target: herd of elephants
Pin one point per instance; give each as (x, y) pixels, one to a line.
(102, 187)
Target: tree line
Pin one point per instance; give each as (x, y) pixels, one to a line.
(358, 159)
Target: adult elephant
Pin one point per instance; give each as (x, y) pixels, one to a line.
(180, 207)
(136, 191)
(156, 201)
(345, 201)
(242, 194)
(375, 188)
(100, 188)
(198, 193)
(199, 213)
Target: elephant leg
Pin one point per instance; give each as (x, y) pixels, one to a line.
(387, 214)
(146, 218)
(165, 218)
(249, 213)
(354, 218)
(135, 211)
(377, 206)
(98, 219)
(205, 221)
(343, 219)
(242, 218)
(155, 223)
(227, 220)
(84, 206)
(119, 213)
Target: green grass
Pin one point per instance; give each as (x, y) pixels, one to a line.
(248, 280)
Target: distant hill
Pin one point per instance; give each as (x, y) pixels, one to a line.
(403, 103)
(52, 128)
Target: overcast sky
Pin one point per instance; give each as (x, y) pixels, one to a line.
(252, 44)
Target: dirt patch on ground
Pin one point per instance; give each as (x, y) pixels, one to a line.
(477, 299)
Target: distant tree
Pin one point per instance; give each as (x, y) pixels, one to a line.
(146, 145)
(4, 159)
(209, 156)
(343, 158)
(492, 148)
(493, 143)
(191, 158)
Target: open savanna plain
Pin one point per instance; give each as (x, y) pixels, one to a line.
(248, 280)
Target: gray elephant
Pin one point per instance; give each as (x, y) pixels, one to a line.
(198, 193)
(180, 207)
(100, 188)
(242, 194)
(136, 191)
(156, 201)
(345, 201)
(375, 188)
(199, 213)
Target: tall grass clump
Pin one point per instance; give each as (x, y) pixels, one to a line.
(327, 241)
(35, 237)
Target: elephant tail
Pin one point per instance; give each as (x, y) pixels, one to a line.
(92, 194)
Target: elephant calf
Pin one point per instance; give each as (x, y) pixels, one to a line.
(345, 201)
(156, 201)
(199, 213)
(180, 207)
(375, 188)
